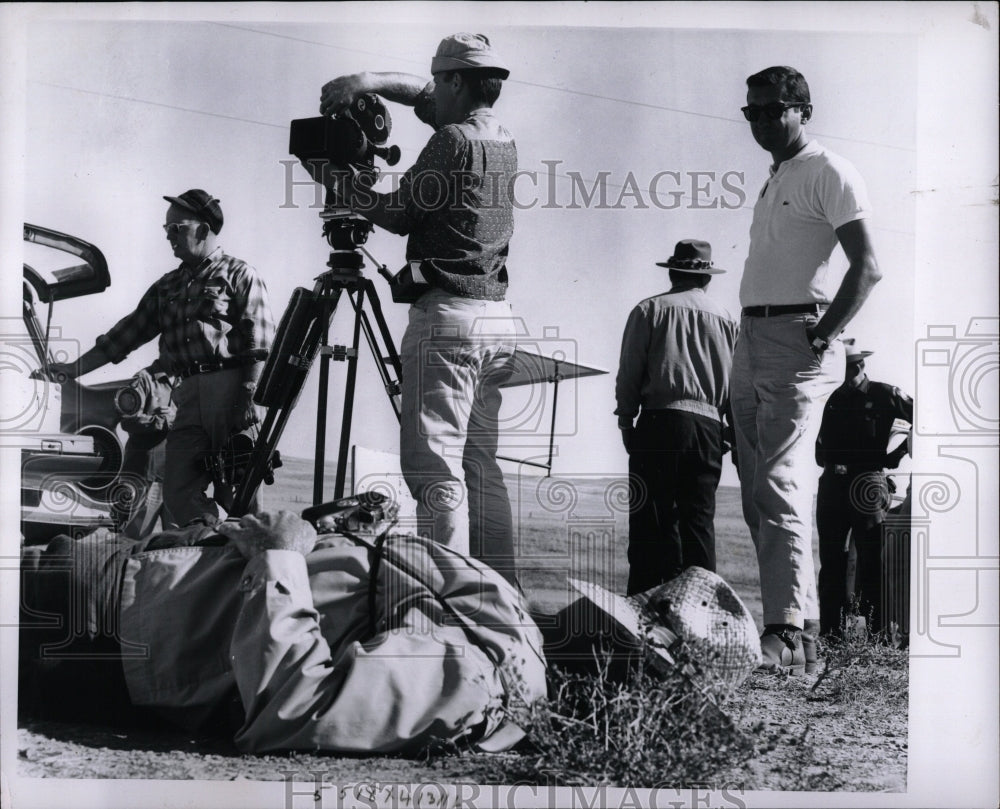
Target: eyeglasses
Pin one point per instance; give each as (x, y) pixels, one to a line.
(774, 110)
(172, 227)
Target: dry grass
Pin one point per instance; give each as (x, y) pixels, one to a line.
(862, 669)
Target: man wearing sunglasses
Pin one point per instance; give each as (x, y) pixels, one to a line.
(787, 359)
(213, 317)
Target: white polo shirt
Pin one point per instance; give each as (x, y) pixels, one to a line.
(794, 228)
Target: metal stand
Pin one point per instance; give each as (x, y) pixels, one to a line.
(555, 378)
(302, 334)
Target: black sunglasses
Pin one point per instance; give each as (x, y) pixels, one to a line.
(774, 110)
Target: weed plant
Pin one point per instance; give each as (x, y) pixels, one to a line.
(645, 727)
(862, 667)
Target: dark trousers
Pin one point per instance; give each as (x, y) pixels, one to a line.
(70, 650)
(856, 504)
(675, 464)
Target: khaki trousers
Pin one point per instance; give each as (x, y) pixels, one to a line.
(202, 425)
(778, 391)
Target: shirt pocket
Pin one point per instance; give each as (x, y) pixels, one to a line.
(213, 303)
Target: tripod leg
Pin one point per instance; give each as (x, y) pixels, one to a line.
(324, 383)
(352, 376)
(391, 385)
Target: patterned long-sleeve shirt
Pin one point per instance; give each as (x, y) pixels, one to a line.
(458, 206)
(218, 311)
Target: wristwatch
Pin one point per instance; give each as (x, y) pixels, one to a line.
(817, 343)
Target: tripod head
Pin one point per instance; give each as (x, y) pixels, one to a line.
(345, 232)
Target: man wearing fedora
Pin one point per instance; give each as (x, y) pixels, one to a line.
(788, 359)
(673, 374)
(455, 208)
(852, 449)
(213, 317)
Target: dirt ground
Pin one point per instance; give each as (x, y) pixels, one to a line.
(811, 733)
(805, 742)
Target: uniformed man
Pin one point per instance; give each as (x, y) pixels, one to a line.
(853, 491)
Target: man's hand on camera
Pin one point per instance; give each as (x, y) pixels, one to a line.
(270, 531)
(400, 88)
(338, 94)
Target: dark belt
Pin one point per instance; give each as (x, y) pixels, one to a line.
(851, 469)
(785, 309)
(209, 367)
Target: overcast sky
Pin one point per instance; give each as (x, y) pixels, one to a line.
(119, 108)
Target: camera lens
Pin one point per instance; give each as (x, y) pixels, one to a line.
(128, 402)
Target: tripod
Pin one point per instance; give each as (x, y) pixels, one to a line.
(301, 335)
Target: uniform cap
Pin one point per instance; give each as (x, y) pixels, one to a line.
(853, 350)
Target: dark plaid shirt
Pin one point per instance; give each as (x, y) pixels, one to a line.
(459, 205)
(218, 311)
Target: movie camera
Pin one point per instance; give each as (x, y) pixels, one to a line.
(350, 141)
(145, 409)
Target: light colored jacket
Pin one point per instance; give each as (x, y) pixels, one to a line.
(448, 648)
(677, 353)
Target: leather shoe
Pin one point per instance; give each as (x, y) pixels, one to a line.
(781, 648)
(810, 630)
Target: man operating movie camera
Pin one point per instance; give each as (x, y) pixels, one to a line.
(453, 208)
